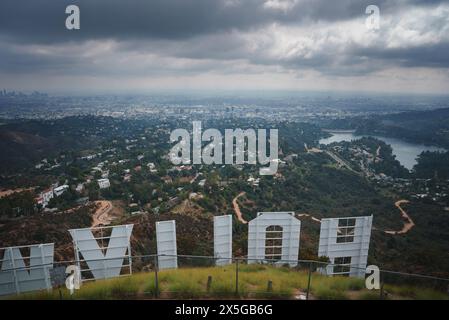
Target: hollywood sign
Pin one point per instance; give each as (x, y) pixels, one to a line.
(273, 237)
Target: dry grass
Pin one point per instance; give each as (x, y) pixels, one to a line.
(191, 283)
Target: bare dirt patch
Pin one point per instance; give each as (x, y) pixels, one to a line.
(5, 193)
(237, 211)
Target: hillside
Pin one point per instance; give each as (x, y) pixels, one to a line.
(132, 154)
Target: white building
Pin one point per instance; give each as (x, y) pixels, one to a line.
(152, 167)
(79, 188)
(105, 174)
(103, 183)
(45, 197)
(253, 181)
(60, 190)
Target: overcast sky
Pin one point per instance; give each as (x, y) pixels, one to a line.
(141, 46)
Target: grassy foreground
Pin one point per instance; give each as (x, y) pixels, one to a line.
(191, 283)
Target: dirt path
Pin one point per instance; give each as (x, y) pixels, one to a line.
(194, 178)
(101, 215)
(312, 150)
(237, 211)
(408, 223)
(6, 193)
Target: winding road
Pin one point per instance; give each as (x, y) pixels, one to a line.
(101, 215)
(408, 223)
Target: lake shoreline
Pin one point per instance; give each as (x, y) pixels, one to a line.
(411, 141)
(405, 152)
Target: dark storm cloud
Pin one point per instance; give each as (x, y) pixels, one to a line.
(44, 20)
(426, 2)
(14, 60)
(430, 56)
(186, 37)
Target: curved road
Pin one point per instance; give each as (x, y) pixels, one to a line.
(408, 223)
(101, 216)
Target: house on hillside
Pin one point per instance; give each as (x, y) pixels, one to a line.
(79, 188)
(60, 190)
(103, 183)
(45, 197)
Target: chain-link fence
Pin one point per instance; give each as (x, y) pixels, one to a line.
(199, 277)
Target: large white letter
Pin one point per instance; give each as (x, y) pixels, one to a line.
(102, 265)
(21, 274)
(223, 240)
(166, 244)
(286, 245)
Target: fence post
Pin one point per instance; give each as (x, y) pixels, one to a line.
(156, 281)
(381, 291)
(209, 283)
(236, 277)
(270, 286)
(308, 282)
